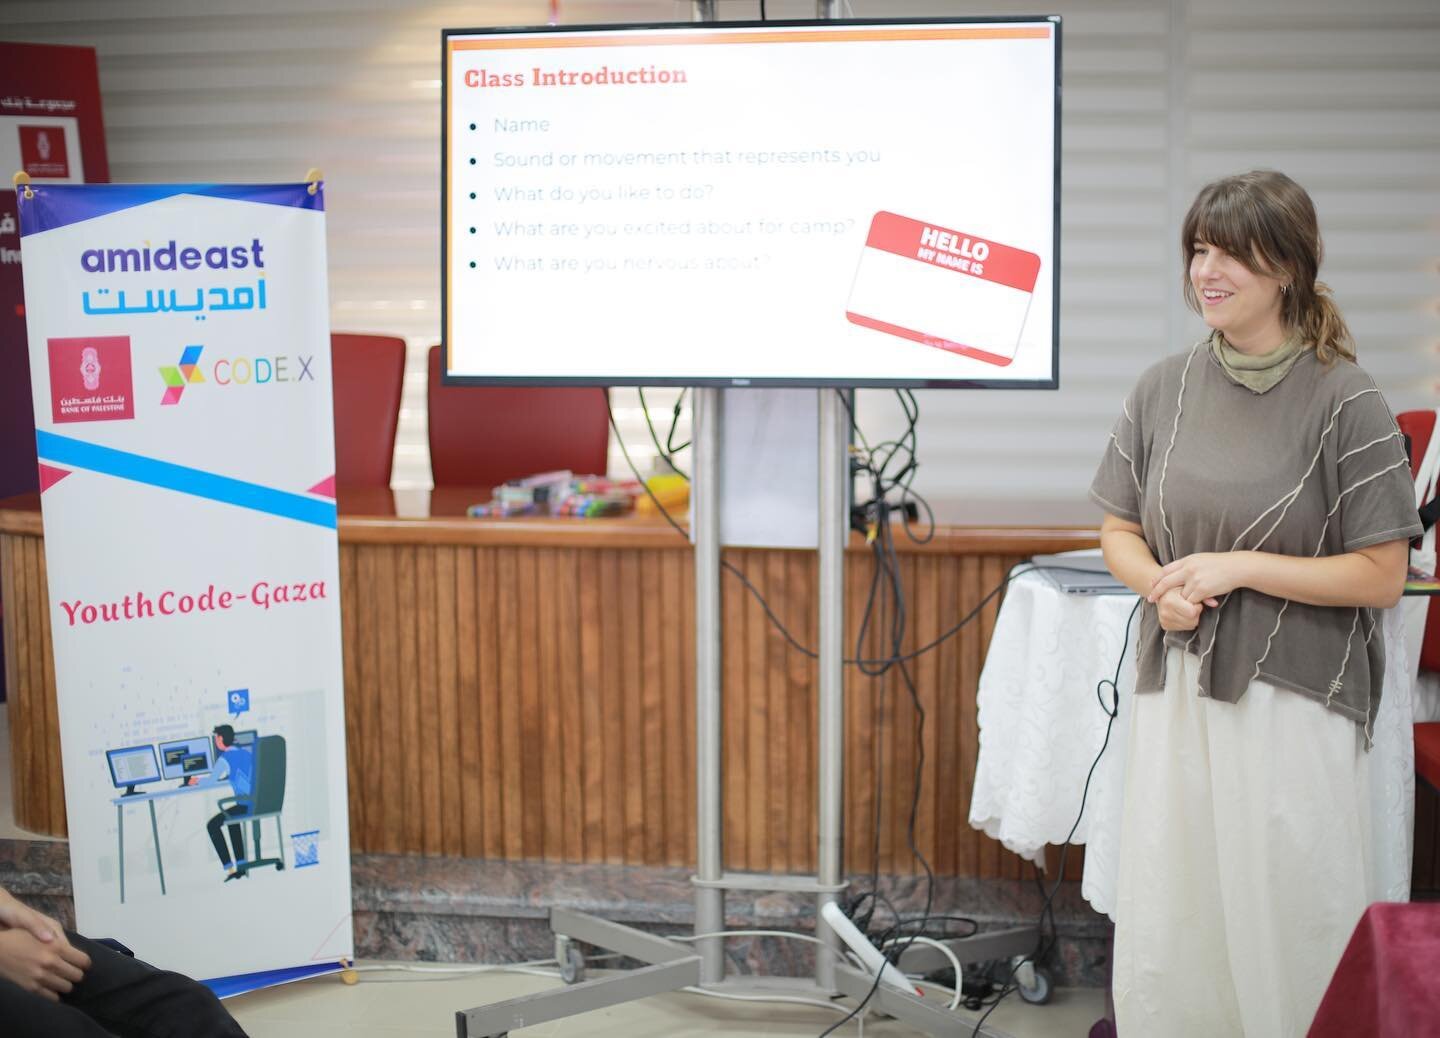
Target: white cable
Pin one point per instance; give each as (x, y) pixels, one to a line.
(748, 933)
(794, 999)
(954, 960)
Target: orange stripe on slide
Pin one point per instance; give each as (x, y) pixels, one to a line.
(561, 40)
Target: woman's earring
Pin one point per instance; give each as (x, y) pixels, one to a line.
(1284, 289)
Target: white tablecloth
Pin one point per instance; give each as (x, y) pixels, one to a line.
(1041, 726)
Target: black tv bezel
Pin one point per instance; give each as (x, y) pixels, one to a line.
(734, 382)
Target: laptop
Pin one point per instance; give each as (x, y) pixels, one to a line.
(1081, 575)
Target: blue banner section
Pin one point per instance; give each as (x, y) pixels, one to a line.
(225, 987)
(65, 450)
(57, 205)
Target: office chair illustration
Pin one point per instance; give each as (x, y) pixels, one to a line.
(266, 799)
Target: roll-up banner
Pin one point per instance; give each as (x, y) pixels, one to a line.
(180, 369)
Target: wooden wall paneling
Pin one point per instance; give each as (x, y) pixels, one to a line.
(365, 703)
(489, 611)
(509, 693)
(450, 741)
(632, 696)
(43, 647)
(612, 718)
(673, 690)
(951, 813)
(861, 749)
(388, 738)
(570, 677)
(924, 624)
(782, 766)
(469, 706)
(548, 798)
(425, 690)
(407, 744)
(905, 729)
(734, 711)
(653, 693)
(592, 705)
(524, 595)
(24, 694)
(802, 685)
(686, 634)
(350, 674)
(977, 855)
(757, 718)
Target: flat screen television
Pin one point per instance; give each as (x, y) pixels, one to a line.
(833, 203)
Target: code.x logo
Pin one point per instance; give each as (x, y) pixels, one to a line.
(177, 376)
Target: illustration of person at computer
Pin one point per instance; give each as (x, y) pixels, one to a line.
(234, 764)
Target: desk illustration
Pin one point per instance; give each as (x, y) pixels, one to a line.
(179, 760)
(120, 803)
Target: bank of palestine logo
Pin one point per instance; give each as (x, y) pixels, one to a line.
(90, 379)
(178, 376)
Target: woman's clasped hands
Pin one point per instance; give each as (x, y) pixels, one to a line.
(1189, 584)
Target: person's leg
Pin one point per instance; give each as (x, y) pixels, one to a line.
(25, 1015)
(133, 999)
(1171, 973)
(237, 836)
(1291, 824)
(213, 827)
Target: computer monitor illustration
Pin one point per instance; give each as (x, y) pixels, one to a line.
(131, 767)
(183, 758)
(245, 738)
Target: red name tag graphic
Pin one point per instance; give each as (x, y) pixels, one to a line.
(944, 288)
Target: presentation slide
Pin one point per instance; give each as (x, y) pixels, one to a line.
(803, 204)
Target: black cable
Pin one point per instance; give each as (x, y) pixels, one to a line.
(655, 437)
(763, 18)
(674, 423)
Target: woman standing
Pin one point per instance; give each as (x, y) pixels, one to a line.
(1257, 494)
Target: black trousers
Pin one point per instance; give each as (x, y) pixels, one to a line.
(119, 997)
(237, 837)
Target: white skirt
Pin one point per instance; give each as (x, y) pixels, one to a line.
(1243, 860)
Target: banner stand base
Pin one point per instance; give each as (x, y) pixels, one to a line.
(670, 966)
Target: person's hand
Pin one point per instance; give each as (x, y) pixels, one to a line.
(14, 914)
(192, 780)
(48, 969)
(1201, 577)
(1178, 613)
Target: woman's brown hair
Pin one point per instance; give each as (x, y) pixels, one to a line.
(1267, 222)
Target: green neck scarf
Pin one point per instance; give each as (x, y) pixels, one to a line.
(1258, 373)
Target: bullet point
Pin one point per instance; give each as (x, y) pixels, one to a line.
(472, 162)
(472, 194)
(472, 230)
(472, 264)
(472, 126)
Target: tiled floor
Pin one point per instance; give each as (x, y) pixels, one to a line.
(396, 1003)
(391, 1005)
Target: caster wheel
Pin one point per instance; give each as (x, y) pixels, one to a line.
(572, 967)
(1038, 991)
(570, 958)
(280, 867)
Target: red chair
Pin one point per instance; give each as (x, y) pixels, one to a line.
(483, 436)
(369, 372)
(1420, 426)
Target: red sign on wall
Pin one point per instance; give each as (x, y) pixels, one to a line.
(42, 151)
